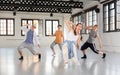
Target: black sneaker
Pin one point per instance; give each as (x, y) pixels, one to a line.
(104, 55)
(84, 57)
(21, 58)
(39, 56)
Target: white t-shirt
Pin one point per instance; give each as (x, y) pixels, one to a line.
(71, 37)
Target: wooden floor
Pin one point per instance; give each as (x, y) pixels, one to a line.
(49, 65)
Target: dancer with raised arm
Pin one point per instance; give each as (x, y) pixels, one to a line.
(29, 43)
(72, 42)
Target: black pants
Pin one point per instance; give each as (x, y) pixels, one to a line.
(91, 45)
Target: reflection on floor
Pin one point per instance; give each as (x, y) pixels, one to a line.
(49, 65)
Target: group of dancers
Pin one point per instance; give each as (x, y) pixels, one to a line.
(68, 45)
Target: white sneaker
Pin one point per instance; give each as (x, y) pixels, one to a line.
(66, 66)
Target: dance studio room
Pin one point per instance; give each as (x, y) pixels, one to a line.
(59, 37)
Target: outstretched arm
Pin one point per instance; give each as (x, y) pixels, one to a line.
(89, 27)
(25, 27)
(69, 25)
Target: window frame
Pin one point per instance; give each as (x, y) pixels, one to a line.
(87, 20)
(51, 26)
(104, 26)
(32, 24)
(84, 14)
(76, 19)
(7, 26)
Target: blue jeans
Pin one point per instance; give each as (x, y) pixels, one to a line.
(70, 48)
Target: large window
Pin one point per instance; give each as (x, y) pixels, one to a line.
(109, 17)
(118, 15)
(88, 18)
(7, 27)
(35, 22)
(51, 26)
(79, 19)
(91, 18)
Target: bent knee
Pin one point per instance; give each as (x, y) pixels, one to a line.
(18, 48)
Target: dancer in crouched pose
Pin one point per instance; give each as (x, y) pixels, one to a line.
(31, 39)
(91, 42)
(58, 40)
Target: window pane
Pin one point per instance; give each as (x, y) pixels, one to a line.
(118, 25)
(87, 18)
(90, 13)
(112, 26)
(10, 27)
(106, 8)
(3, 27)
(112, 19)
(55, 24)
(105, 14)
(24, 22)
(112, 13)
(76, 20)
(94, 13)
(106, 21)
(80, 19)
(6, 27)
(48, 28)
(30, 22)
(106, 27)
(94, 17)
(111, 5)
(90, 18)
(36, 23)
(94, 22)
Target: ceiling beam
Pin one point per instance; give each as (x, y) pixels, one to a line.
(40, 6)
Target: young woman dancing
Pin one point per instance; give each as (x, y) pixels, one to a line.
(72, 42)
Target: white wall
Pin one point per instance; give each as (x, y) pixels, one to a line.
(110, 41)
(14, 41)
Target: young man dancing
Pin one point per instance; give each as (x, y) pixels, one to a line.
(29, 43)
(58, 40)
